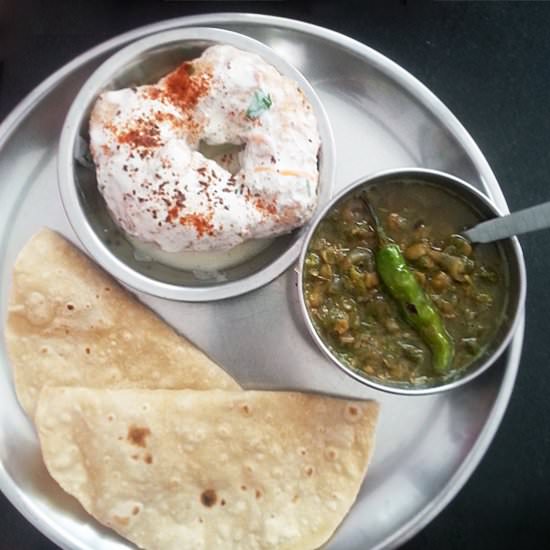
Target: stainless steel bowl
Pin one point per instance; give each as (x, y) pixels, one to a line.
(509, 249)
(142, 62)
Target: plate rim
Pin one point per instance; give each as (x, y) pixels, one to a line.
(65, 539)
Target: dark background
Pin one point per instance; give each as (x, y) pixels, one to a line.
(490, 63)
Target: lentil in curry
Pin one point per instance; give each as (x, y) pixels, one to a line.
(356, 314)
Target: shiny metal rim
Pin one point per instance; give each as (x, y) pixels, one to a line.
(410, 172)
(65, 539)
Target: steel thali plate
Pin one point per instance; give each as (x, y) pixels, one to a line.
(382, 118)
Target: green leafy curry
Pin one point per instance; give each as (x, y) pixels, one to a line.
(406, 299)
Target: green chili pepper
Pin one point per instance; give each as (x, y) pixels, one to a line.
(417, 308)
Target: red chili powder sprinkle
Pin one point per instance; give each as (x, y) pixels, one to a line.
(139, 138)
(201, 223)
(154, 93)
(264, 206)
(173, 213)
(183, 89)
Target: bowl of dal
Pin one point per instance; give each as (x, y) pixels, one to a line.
(417, 308)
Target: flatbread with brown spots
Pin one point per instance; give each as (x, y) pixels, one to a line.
(171, 469)
(69, 323)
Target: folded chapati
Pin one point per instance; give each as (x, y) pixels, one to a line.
(184, 469)
(69, 324)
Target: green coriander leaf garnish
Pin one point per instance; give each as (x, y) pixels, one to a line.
(260, 103)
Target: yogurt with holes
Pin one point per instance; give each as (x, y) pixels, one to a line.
(221, 151)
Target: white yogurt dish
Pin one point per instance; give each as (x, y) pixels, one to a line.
(220, 226)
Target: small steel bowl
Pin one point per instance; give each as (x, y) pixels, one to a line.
(143, 62)
(509, 249)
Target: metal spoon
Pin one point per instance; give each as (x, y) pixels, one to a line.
(523, 221)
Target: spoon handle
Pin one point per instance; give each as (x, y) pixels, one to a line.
(522, 221)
